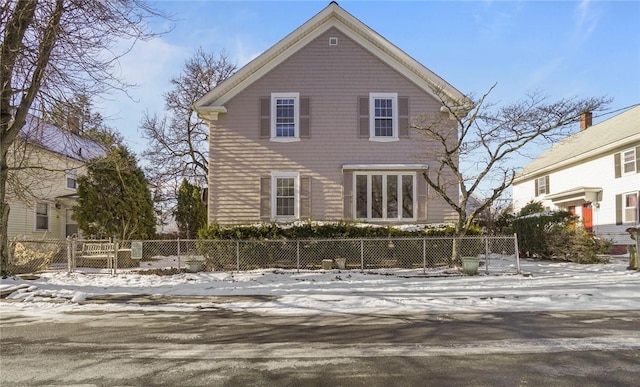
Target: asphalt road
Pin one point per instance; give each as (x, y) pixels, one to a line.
(213, 347)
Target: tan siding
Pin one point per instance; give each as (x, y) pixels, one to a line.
(333, 77)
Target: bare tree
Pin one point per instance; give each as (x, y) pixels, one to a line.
(497, 218)
(487, 138)
(54, 48)
(76, 114)
(178, 145)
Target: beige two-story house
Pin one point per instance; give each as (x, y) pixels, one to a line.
(318, 127)
(44, 163)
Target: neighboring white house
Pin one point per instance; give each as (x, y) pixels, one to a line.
(594, 173)
(44, 163)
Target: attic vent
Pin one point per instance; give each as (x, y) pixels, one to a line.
(333, 41)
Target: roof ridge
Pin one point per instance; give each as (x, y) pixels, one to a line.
(622, 128)
(331, 16)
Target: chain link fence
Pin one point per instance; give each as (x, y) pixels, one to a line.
(29, 256)
(416, 256)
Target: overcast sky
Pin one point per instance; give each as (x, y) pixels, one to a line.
(562, 48)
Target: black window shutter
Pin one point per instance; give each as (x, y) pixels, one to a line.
(618, 209)
(347, 194)
(265, 117)
(265, 198)
(617, 165)
(305, 114)
(546, 185)
(637, 207)
(363, 117)
(403, 117)
(305, 197)
(421, 185)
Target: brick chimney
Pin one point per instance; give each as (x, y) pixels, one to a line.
(585, 120)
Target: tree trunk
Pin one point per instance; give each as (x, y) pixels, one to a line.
(21, 20)
(460, 232)
(4, 213)
(454, 252)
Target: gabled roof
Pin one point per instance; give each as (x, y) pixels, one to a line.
(332, 16)
(602, 138)
(63, 142)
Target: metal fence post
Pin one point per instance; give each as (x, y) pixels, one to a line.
(298, 255)
(114, 267)
(69, 257)
(179, 259)
(424, 256)
(238, 255)
(515, 242)
(486, 255)
(361, 254)
(74, 248)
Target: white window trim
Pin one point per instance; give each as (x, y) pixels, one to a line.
(385, 167)
(296, 116)
(67, 221)
(542, 181)
(625, 208)
(384, 196)
(372, 118)
(274, 187)
(35, 217)
(633, 162)
(71, 173)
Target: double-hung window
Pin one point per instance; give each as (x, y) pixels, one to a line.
(285, 195)
(42, 217)
(542, 185)
(383, 117)
(385, 196)
(285, 116)
(71, 179)
(71, 226)
(630, 210)
(629, 161)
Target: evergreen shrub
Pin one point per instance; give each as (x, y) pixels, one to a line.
(556, 235)
(216, 243)
(321, 230)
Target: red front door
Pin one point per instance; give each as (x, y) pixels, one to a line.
(587, 217)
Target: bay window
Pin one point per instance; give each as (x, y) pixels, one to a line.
(384, 196)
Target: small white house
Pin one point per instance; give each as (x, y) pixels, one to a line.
(594, 173)
(44, 163)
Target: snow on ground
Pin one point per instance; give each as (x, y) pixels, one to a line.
(552, 286)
